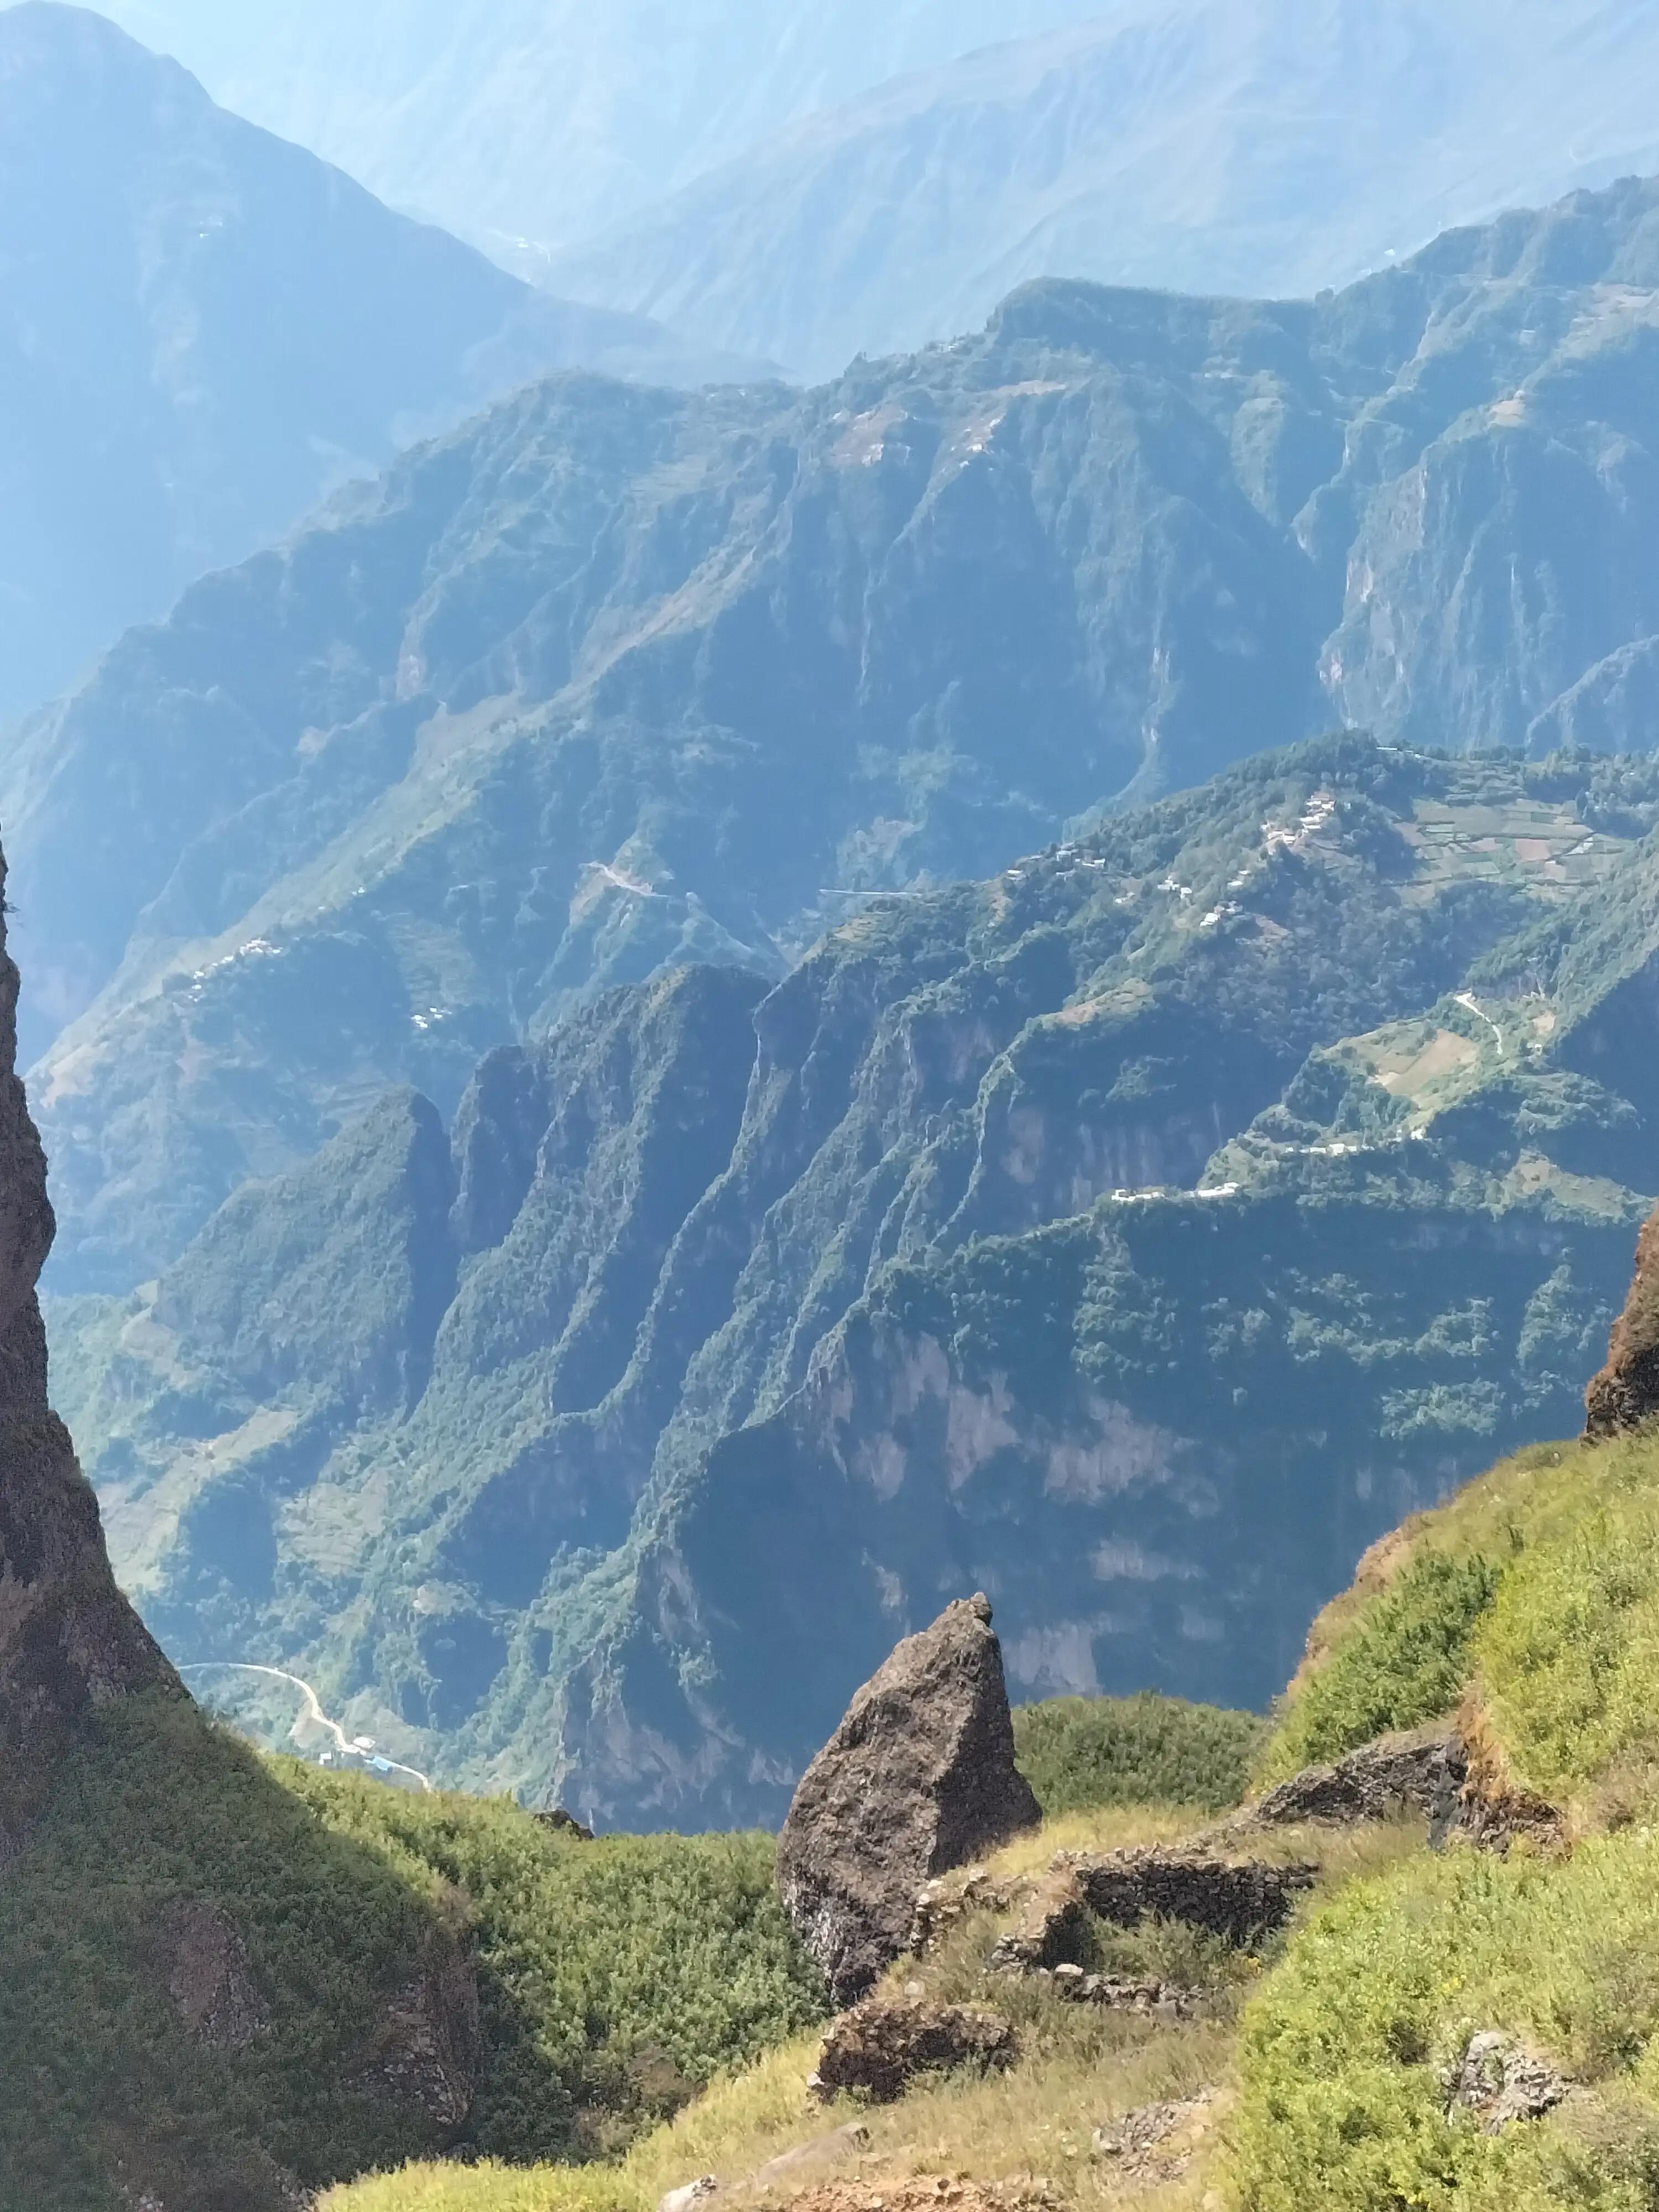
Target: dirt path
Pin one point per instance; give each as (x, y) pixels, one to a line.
(1467, 999)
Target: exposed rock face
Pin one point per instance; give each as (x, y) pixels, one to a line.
(919, 1778)
(209, 1977)
(1499, 2082)
(1425, 1768)
(424, 2055)
(1237, 1902)
(881, 2045)
(1625, 1393)
(69, 1640)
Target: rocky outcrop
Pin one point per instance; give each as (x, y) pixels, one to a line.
(1239, 1902)
(1156, 2143)
(69, 1640)
(1625, 1395)
(209, 1977)
(424, 2051)
(1423, 1769)
(1147, 2000)
(880, 2046)
(1498, 2082)
(919, 1778)
(943, 1904)
(566, 1825)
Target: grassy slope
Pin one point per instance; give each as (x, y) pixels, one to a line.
(1078, 2069)
(161, 1809)
(1530, 1604)
(1095, 1763)
(1557, 1677)
(616, 1977)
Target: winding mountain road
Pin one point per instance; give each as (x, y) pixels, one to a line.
(312, 1710)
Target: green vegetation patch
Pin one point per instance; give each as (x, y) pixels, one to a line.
(1405, 1662)
(1346, 2053)
(1537, 1589)
(616, 1977)
(1569, 1658)
(1083, 1754)
(206, 1952)
(160, 1815)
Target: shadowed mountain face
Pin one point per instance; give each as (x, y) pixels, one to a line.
(1316, 139)
(1136, 1236)
(612, 679)
(202, 330)
(70, 1643)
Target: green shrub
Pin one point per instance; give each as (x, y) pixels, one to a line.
(1404, 1661)
(1082, 1753)
(1343, 2054)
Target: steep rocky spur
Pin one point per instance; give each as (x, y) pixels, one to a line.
(69, 1641)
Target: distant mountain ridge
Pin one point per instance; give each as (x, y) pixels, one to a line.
(612, 679)
(851, 179)
(544, 120)
(203, 331)
(1262, 148)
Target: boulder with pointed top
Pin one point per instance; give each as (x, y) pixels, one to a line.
(919, 1778)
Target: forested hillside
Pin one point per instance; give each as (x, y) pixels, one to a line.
(1136, 1235)
(613, 679)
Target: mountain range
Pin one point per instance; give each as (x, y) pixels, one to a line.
(203, 331)
(612, 678)
(1135, 1236)
(1315, 142)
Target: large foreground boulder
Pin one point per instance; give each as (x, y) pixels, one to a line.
(919, 1778)
(1625, 1395)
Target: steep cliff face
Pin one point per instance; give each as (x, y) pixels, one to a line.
(1135, 1236)
(69, 1641)
(1625, 1395)
(615, 679)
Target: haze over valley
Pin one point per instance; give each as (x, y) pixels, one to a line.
(828, 985)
